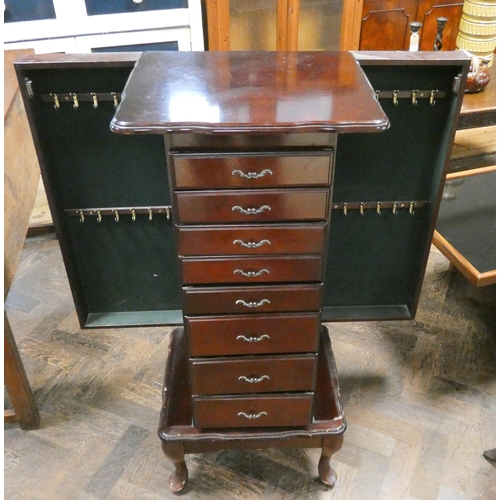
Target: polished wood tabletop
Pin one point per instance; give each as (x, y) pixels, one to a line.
(248, 92)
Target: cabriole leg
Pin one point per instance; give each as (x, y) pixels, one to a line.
(331, 445)
(178, 478)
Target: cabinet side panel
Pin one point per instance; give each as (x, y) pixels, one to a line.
(113, 266)
(386, 249)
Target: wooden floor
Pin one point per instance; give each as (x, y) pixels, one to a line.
(419, 398)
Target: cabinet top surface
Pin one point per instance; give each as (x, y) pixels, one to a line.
(251, 92)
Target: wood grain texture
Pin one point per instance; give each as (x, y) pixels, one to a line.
(419, 398)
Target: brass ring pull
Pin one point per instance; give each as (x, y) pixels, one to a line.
(414, 97)
(117, 215)
(251, 274)
(99, 217)
(379, 206)
(412, 206)
(133, 214)
(94, 99)
(362, 208)
(395, 208)
(253, 339)
(253, 380)
(251, 211)
(115, 99)
(150, 213)
(251, 244)
(76, 105)
(345, 208)
(82, 217)
(252, 304)
(253, 415)
(252, 175)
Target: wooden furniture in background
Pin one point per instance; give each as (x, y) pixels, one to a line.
(281, 24)
(465, 231)
(21, 174)
(385, 23)
(335, 25)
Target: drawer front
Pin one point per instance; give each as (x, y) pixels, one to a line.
(252, 334)
(293, 410)
(253, 374)
(251, 299)
(232, 172)
(247, 206)
(251, 269)
(251, 240)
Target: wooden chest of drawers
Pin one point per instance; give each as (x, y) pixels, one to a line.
(249, 279)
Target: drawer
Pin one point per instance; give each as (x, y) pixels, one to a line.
(252, 334)
(251, 299)
(291, 410)
(256, 171)
(251, 240)
(250, 269)
(253, 374)
(198, 207)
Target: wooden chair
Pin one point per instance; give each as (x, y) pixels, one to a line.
(21, 175)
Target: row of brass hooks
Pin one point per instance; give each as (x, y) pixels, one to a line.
(92, 97)
(98, 213)
(415, 95)
(378, 207)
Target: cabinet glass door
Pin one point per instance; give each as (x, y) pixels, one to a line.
(252, 25)
(320, 23)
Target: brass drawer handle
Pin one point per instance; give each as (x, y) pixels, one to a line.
(253, 415)
(251, 274)
(251, 244)
(252, 175)
(251, 211)
(252, 304)
(254, 380)
(253, 339)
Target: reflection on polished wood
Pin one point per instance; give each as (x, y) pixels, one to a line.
(248, 92)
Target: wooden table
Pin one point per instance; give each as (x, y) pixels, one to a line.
(465, 230)
(21, 173)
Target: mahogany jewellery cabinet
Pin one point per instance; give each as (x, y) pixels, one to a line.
(248, 197)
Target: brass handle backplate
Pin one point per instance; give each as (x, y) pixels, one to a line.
(252, 304)
(253, 380)
(253, 415)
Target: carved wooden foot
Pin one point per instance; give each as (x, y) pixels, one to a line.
(178, 478)
(331, 445)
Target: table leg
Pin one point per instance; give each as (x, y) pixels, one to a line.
(331, 444)
(175, 453)
(25, 409)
